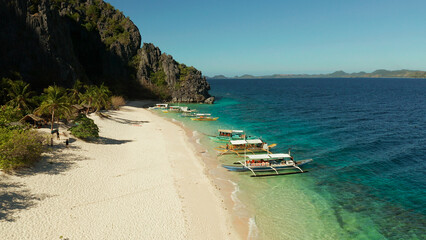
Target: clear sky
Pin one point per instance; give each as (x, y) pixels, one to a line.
(261, 37)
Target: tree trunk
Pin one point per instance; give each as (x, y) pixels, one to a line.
(53, 118)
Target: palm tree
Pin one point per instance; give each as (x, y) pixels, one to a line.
(54, 103)
(19, 94)
(75, 92)
(97, 97)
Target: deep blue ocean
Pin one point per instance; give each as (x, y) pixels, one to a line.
(367, 138)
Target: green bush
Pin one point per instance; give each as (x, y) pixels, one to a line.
(19, 148)
(9, 114)
(85, 128)
(158, 78)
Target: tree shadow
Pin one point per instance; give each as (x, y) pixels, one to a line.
(55, 161)
(15, 197)
(142, 103)
(110, 141)
(123, 120)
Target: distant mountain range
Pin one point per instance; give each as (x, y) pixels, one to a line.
(381, 73)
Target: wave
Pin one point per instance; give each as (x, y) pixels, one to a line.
(237, 203)
(253, 230)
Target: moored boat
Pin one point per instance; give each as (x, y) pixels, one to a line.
(204, 117)
(268, 163)
(226, 135)
(244, 146)
(159, 106)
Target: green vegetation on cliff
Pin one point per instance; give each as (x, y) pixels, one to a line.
(99, 16)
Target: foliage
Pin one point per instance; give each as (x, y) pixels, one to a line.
(134, 61)
(185, 71)
(111, 22)
(158, 78)
(117, 102)
(18, 94)
(9, 114)
(85, 128)
(90, 26)
(97, 97)
(33, 6)
(55, 103)
(19, 148)
(74, 93)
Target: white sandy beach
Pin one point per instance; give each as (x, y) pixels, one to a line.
(144, 181)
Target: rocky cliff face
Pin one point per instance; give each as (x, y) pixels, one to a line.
(60, 41)
(161, 72)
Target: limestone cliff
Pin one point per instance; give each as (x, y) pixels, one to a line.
(160, 72)
(60, 41)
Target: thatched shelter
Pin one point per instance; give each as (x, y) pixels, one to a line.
(80, 108)
(33, 120)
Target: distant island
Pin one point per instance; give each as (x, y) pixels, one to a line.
(381, 73)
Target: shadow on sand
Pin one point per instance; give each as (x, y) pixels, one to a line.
(110, 141)
(15, 196)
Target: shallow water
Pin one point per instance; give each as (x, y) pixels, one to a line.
(368, 141)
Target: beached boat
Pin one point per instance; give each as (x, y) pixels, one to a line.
(204, 117)
(226, 135)
(244, 146)
(159, 106)
(268, 163)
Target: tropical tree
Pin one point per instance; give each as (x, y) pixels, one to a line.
(19, 94)
(75, 92)
(55, 103)
(97, 97)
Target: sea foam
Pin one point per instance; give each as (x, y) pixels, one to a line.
(253, 230)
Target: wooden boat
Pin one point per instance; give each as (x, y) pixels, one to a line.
(268, 163)
(159, 106)
(244, 146)
(172, 109)
(187, 110)
(204, 117)
(188, 114)
(226, 135)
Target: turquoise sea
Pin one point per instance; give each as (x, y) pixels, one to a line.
(368, 141)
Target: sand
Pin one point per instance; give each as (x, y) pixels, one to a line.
(143, 180)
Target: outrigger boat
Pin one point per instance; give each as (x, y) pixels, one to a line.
(225, 135)
(160, 106)
(243, 146)
(187, 110)
(204, 117)
(268, 163)
(172, 109)
(188, 114)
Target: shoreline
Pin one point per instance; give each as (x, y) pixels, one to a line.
(146, 180)
(220, 178)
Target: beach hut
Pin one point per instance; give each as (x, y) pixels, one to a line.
(33, 120)
(80, 108)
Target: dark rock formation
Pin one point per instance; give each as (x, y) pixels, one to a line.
(60, 41)
(159, 71)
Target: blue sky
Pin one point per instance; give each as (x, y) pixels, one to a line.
(297, 36)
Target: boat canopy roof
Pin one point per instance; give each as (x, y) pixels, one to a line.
(249, 141)
(238, 142)
(203, 114)
(253, 141)
(177, 107)
(161, 104)
(230, 131)
(268, 156)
